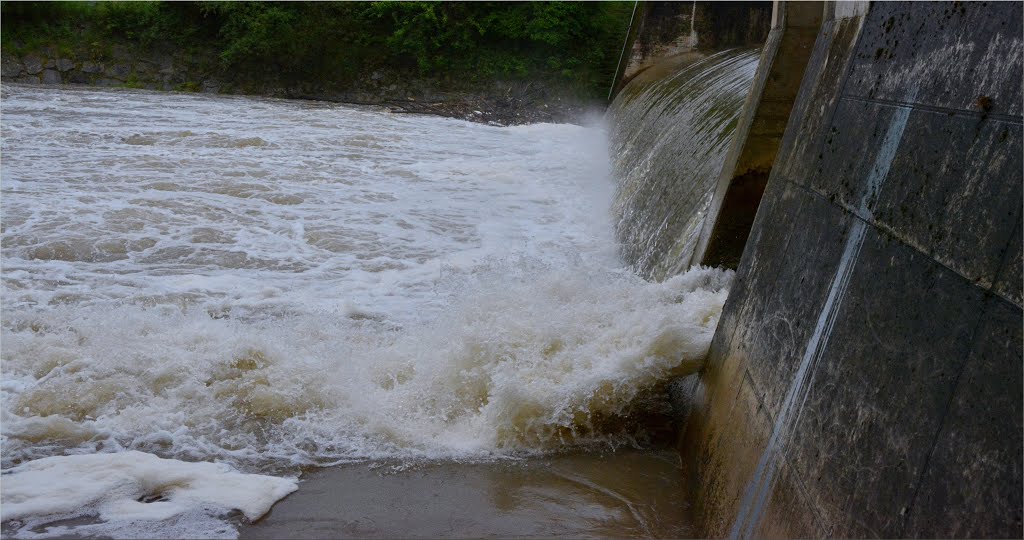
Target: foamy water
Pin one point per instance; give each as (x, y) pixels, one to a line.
(270, 284)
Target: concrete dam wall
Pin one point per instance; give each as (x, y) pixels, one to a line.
(866, 376)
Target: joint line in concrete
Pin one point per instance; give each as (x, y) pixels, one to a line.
(760, 486)
(756, 495)
(1008, 118)
(986, 308)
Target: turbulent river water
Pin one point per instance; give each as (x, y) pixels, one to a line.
(269, 285)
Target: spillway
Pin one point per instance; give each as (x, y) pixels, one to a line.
(669, 136)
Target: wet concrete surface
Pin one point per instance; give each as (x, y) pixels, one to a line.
(623, 494)
(880, 397)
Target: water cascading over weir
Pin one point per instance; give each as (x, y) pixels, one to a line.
(862, 172)
(670, 141)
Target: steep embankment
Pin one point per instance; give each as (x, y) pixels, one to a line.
(505, 63)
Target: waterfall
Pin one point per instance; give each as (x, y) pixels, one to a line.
(670, 137)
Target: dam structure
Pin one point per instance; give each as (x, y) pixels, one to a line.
(784, 301)
(866, 375)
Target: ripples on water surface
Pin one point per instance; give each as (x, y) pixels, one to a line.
(273, 284)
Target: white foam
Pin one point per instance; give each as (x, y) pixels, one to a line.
(526, 357)
(306, 284)
(132, 487)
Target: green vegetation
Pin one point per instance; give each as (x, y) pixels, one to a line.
(26, 26)
(189, 86)
(577, 43)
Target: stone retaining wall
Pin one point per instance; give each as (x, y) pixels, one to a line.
(495, 102)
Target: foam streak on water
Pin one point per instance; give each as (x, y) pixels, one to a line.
(271, 284)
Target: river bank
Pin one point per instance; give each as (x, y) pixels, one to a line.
(502, 103)
(503, 64)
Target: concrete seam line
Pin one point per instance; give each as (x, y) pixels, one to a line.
(945, 418)
(760, 486)
(764, 476)
(625, 41)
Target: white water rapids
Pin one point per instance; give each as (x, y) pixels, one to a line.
(269, 284)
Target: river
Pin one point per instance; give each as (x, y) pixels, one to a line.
(281, 287)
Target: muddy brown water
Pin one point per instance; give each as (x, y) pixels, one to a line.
(622, 494)
(272, 284)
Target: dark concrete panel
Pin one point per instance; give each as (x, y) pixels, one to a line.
(954, 190)
(760, 277)
(730, 444)
(757, 272)
(972, 488)
(879, 394)
(726, 427)
(942, 54)
(1009, 282)
(775, 335)
(852, 145)
(819, 94)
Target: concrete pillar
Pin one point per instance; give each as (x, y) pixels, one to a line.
(795, 27)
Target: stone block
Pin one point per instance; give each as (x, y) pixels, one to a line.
(51, 76)
(118, 71)
(77, 77)
(11, 67)
(33, 64)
